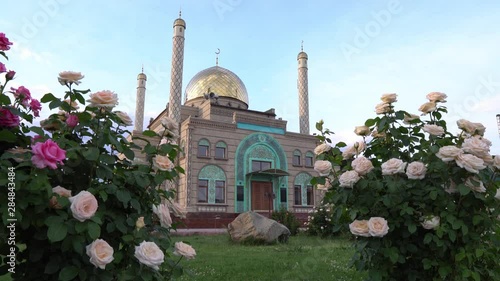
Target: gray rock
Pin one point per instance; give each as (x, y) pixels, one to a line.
(251, 225)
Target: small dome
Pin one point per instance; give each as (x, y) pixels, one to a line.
(302, 55)
(220, 81)
(141, 76)
(180, 22)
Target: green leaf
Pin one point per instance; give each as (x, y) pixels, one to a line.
(68, 273)
(57, 232)
(94, 230)
(149, 133)
(123, 196)
(55, 103)
(91, 154)
(129, 154)
(80, 227)
(80, 98)
(37, 130)
(108, 159)
(463, 189)
(433, 195)
(412, 228)
(370, 122)
(7, 136)
(48, 98)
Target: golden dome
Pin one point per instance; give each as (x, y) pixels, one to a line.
(302, 55)
(141, 76)
(219, 81)
(180, 22)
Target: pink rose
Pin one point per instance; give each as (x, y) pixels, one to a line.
(10, 75)
(8, 119)
(47, 154)
(23, 94)
(35, 107)
(4, 42)
(2, 68)
(83, 205)
(72, 120)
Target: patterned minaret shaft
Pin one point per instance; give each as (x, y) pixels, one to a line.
(139, 102)
(302, 86)
(174, 108)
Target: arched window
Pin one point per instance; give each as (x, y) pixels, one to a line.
(220, 150)
(296, 161)
(303, 192)
(203, 148)
(212, 185)
(309, 161)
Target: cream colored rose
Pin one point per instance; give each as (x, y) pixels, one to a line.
(470, 162)
(377, 227)
(376, 134)
(488, 159)
(448, 153)
(471, 127)
(354, 149)
(383, 108)
(452, 188)
(324, 147)
(434, 130)
(170, 124)
(124, 118)
(139, 223)
(349, 179)
(436, 97)
(18, 153)
(362, 130)
(162, 162)
(83, 205)
(106, 99)
(61, 191)
(163, 214)
(325, 186)
(149, 254)
(393, 166)
(177, 209)
(362, 165)
(323, 167)
(184, 250)
(408, 119)
(100, 253)
(389, 98)
(477, 146)
(474, 183)
(427, 107)
(73, 104)
(430, 222)
(70, 77)
(416, 170)
(50, 125)
(496, 161)
(359, 228)
(497, 195)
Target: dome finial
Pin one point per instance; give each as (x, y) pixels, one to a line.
(302, 46)
(142, 70)
(217, 57)
(180, 11)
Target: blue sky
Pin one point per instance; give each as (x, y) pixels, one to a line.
(357, 50)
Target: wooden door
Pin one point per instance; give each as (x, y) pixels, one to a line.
(262, 196)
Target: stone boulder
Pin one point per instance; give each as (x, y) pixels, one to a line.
(253, 226)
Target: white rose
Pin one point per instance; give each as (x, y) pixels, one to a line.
(359, 228)
(324, 147)
(416, 170)
(376, 134)
(323, 167)
(106, 99)
(164, 163)
(362, 165)
(362, 130)
(434, 130)
(377, 227)
(474, 183)
(471, 127)
(389, 98)
(349, 178)
(163, 214)
(185, 250)
(125, 119)
(354, 149)
(430, 222)
(477, 146)
(61, 191)
(148, 253)
(488, 159)
(177, 209)
(69, 77)
(452, 188)
(496, 162)
(448, 153)
(171, 127)
(393, 166)
(408, 119)
(83, 205)
(139, 223)
(497, 195)
(100, 253)
(325, 186)
(427, 107)
(470, 162)
(436, 97)
(382, 108)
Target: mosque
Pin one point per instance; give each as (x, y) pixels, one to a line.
(235, 159)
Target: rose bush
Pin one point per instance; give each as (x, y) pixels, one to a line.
(82, 202)
(422, 202)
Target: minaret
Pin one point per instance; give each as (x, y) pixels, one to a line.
(174, 107)
(303, 92)
(139, 102)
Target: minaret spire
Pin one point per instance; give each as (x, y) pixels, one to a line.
(217, 57)
(303, 89)
(174, 105)
(139, 102)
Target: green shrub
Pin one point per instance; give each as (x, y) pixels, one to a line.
(324, 222)
(288, 219)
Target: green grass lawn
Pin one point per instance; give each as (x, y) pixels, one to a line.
(302, 258)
